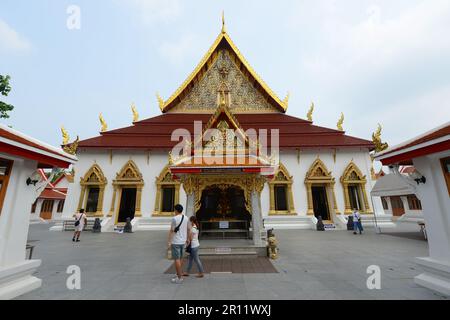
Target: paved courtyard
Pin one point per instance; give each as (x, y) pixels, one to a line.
(312, 265)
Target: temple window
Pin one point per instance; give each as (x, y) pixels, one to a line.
(414, 203)
(281, 199)
(354, 185)
(92, 190)
(167, 193)
(385, 203)
(60, 207)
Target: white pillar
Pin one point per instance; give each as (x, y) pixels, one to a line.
(16, 273)
(190, 200)
(256, 219)
(436, 205)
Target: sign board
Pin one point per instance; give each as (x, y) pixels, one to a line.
(224, 225)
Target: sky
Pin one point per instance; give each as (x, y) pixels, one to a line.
(376, 61)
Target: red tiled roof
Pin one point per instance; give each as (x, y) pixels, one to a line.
(434, 134)
(49, 193)
(155, 133)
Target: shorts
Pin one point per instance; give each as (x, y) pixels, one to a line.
(79, 228)
(177, 251)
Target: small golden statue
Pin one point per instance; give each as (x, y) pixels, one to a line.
(376, 139)
(341, 122)
(310, 112)
(272, 247)
(135, 113)
(103, 123)
(65, 136)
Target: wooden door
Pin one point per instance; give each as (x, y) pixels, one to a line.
(5, 172)
(397, 206)
(47, 209)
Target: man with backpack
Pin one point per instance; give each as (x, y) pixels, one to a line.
(80, 222)
(178, 239)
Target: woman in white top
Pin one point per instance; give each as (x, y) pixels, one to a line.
(195, 246)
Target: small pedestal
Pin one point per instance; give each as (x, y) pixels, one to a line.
(436, 276)
(18, 279)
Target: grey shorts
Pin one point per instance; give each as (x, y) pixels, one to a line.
(177, 251)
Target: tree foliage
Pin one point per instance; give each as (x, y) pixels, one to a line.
(5, 88)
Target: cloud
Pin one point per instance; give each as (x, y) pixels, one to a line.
(152, 11)
(11, 41)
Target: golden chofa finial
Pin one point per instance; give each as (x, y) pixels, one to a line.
(341, 122)
(286, 100)
(135, 113)
(224, 30)
(65, 136)
(103, 123)
(160, 101)
(376, 139)
(310, 112)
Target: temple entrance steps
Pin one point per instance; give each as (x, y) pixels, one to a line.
(231, 248)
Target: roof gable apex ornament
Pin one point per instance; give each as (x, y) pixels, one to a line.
(135, 113)
(65, 135)
(341, 122)
(376, 139)
(224, 29)
(309, 115)
(104, 125)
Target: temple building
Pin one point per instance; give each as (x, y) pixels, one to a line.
(291, 174)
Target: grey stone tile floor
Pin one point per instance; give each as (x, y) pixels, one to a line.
(311, 265)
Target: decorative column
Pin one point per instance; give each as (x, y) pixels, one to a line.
(310, 199)
(256, 218)
(99, 212)
(190, 210)
(336, 209)
(348, 209)
(138, 212)
(364, 196)
(82, 195)
(291, 199)
(272, 198)
(113, 202)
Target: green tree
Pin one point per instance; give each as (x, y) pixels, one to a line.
(5, 88)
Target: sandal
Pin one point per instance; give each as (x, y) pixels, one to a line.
(185, 274)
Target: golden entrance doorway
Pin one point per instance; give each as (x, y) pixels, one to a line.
(223, 213)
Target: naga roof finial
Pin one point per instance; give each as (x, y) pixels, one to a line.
(310, 112)
(103, 123)
(135, 113)
(341, 122)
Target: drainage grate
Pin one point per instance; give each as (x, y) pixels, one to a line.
(227, 265)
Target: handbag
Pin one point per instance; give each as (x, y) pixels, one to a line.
(189, 248)
(77, 223)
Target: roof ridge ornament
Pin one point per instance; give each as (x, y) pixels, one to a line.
(135, 113)
(65, 136)
(341, 122)
(224, 29)
(103, 123)
(286, 100)
(376, 139)
(160, 101)
(310, 112)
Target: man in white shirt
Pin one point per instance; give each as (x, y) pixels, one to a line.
(178, 239)
(356, 222)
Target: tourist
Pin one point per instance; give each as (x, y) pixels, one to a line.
(357, 222)
(194, 249)
(178, 238)
(80, 222)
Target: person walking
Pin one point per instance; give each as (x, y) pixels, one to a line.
(194, 249)
(178, 239)
(357, 222)
(80, 222)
